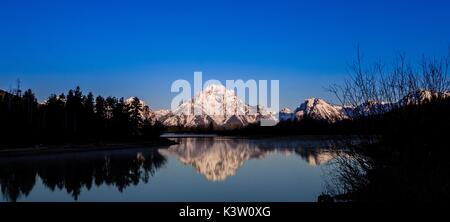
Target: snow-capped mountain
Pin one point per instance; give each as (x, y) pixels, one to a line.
(286, 114)
(216, 106)
(413, 98)
(422, 96)
(369, 108)
(146, 112)
(162, 114)
(319, 109)
(220, 108)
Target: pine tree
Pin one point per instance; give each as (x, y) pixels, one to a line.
(135, 110)
(30, 108)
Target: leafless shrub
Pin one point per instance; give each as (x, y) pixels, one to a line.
(347, 171)
(377, 88)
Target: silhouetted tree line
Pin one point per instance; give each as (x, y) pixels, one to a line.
(72, 117)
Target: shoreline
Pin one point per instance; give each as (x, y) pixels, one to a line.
(67, 148)
(164, 141)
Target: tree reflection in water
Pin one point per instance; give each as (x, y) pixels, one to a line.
(75, 171)
(217, 159)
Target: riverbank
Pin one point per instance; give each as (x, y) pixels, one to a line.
(64, 148)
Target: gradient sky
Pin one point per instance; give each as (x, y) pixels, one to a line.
(127, 48)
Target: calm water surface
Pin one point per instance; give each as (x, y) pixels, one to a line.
(197, 169)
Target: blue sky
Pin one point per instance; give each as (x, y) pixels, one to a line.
(126, 48)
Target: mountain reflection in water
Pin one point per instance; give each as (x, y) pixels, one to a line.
(217, 159)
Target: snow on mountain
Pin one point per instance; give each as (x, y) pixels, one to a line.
(422, 96)
(413, 98)
(319, 109)
(146, 112)
(286, 114)
(162, 114)
(131, 99)
(371, 108)
(215, 106)
(235, 121)
(219, 107)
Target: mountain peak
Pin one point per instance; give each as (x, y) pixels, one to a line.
(215, 105)
(214, 87)
(130, 100)
(286, 114)
(285, 110)
(319, 109)
(423, 96)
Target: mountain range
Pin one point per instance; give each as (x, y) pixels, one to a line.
(217, 107)
(319, 109)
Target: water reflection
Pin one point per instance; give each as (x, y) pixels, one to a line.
(219, 158)
(216, 159)
(73, 171)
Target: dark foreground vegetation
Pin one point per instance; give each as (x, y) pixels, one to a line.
(408, 162)
(72, 118)
(408, 159)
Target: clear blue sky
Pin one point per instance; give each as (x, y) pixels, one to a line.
(126, 48)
